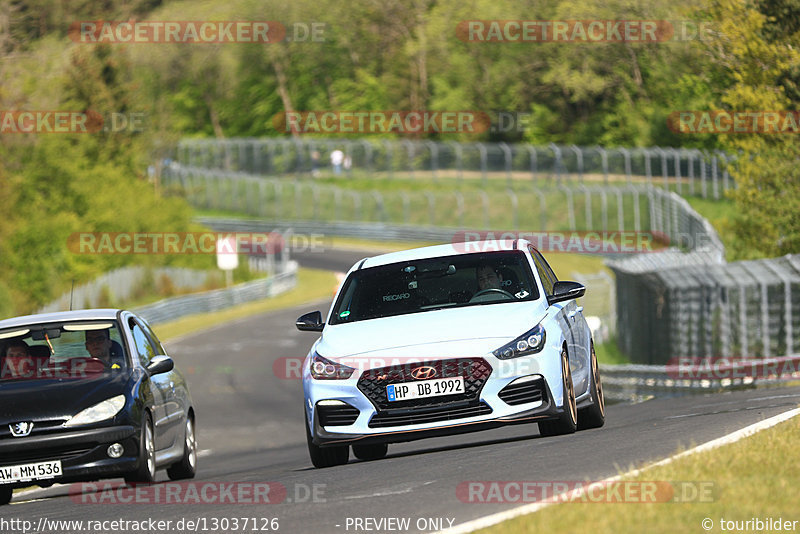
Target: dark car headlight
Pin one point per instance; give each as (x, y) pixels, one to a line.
(324, 369)
(530, 342)
(99, 412)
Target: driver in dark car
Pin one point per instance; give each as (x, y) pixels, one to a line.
(99, 345)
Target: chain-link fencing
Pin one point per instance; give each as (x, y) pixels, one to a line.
(680, 301)
(686, 171)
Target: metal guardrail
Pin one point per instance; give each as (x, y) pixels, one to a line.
(220, 299)
(121, 285)
(360, 230)
(639, 382)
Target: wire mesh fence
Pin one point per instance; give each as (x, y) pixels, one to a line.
(686, 171)
(574, 207)
(680, 301)
(705, 310)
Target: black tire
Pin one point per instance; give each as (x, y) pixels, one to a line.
(371, 452)
(146, 471)
(187, 466)
(594, 416)
(567, 422)
(326, 456)
(5, 495)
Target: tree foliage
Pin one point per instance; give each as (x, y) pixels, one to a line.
(376, 55)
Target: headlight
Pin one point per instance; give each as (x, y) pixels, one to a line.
(99, 412)
(324, 369)
(530, 342)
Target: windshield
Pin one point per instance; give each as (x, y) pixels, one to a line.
(71, 350)
(433, 284)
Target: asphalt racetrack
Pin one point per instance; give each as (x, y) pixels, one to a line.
(251, 433)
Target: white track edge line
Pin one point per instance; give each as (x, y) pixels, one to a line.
(493, 519)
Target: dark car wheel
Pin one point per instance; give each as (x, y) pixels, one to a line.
(326, 456)
(5, 495)
(146, 472)
(567, 422)
(594, 416)
(187, 467)
(370, 452)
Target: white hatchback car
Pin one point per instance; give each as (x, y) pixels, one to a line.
(443, 340)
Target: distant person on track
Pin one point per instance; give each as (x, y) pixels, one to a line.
(337, 158)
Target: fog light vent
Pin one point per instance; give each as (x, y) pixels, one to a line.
(115, 450)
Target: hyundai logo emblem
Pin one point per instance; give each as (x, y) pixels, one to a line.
(422, 373)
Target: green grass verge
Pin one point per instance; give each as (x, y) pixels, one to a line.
(720, 213)
(752, 478)
(608, 353)
(312, 284)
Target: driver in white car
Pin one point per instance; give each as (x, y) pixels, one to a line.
(488, 277)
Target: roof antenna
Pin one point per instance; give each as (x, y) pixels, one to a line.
(71, 291)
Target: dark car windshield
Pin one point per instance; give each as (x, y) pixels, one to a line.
(71, 350)
(433, 284)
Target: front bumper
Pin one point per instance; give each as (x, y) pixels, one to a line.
(83, 453)
(495, 413)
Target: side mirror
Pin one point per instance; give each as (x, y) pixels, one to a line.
(159, 365)
(310, 322)
(564, 290)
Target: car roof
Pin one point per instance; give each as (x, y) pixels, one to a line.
(451, 249)
(55, 317)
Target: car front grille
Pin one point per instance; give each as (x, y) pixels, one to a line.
(337, 415)
(43, 455)
(521, 392)
(418, 416)
(39, 427)
(475, 371)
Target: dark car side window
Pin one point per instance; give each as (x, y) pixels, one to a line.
(159, 348)
(144, 347)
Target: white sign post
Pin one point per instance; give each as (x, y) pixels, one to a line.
(227, 257)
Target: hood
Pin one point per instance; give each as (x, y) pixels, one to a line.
(40, 400)
(477, 329)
